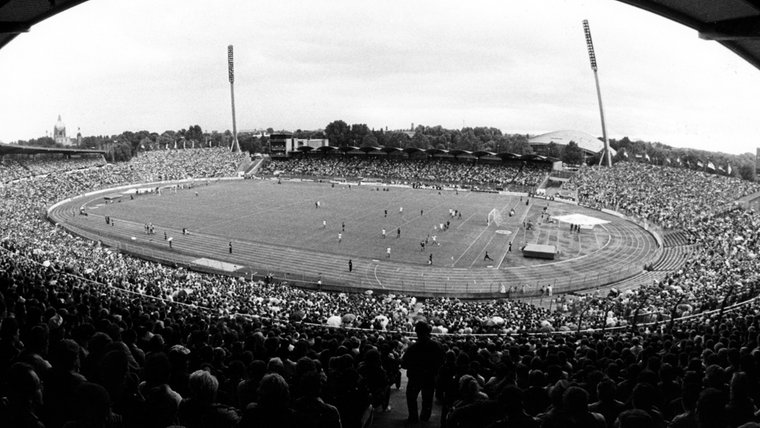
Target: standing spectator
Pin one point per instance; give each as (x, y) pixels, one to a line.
(93, 408)
(272, 410)
(161, 401)
(61, 381)
(512, 399)
(575, 411)
(740, 407)
(346, 390)
(422, 361)
(24, 396)
(201, 408)
(607, 405)
(310, 410)
(376, 379)
(711, 409)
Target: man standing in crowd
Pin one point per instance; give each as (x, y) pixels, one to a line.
(421, 360)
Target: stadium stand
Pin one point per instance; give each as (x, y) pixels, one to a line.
(90, 336)
(423, 171)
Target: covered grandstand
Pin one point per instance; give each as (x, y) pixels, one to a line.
(587, 142)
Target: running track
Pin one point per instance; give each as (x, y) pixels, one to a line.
(630, 248)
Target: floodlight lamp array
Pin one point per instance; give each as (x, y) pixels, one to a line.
(589, 44)
(230, 65)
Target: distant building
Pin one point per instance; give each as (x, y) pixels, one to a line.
(59, 134)
(256, 133)
(284, 143)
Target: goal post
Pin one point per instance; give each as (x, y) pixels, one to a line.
(494, 217)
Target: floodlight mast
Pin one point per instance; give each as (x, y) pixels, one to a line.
(230, 68)
(592, 58)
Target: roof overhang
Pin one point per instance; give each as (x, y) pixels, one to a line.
(18, 16)
(15, 149)
(733, 23)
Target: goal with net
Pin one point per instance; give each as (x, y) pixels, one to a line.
(494, 217)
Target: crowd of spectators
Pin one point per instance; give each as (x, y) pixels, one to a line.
(672, 198)
(90, 336)
(20, 167)
(469, 173)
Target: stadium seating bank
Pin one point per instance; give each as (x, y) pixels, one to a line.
(90, 337)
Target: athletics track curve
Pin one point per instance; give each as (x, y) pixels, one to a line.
(630, 248)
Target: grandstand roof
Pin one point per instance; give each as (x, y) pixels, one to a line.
(14, 149)
(18, 16)
(584, 140)
(431, 152)
(733, 23)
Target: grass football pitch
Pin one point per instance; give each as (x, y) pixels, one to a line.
(287, 215)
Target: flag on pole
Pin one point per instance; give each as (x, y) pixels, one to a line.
(700, 164)
(646, 156)
(710, 166)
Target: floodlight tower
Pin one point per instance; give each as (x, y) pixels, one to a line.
(235, 146)
(592, 57)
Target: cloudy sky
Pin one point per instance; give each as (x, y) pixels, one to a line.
(109, 66)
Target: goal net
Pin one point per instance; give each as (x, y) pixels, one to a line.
(494, 217)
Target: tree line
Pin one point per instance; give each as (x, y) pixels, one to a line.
(124, 146)
(427, 137)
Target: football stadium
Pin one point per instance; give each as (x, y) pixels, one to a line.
(375, 285)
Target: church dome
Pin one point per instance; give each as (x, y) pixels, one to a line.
(59, 125)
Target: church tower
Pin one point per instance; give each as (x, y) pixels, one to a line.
(59, 132)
